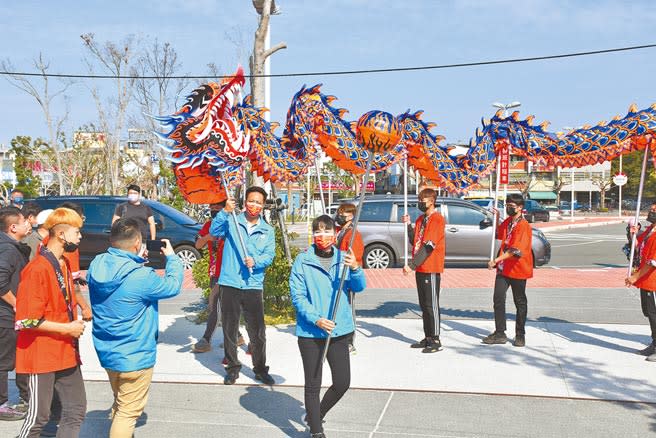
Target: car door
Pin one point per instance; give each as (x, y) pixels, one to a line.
(96, 229)
(466, 239)
(397, 227)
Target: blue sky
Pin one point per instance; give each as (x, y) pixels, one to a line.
(360, 34)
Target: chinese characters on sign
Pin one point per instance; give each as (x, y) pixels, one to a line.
(504, 160)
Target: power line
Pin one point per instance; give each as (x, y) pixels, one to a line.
(347, 72)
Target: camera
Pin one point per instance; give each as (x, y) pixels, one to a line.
(275, 205)
(154, 245)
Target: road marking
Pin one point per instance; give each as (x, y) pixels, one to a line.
(382, 414)
(577, 244)
(591, 270)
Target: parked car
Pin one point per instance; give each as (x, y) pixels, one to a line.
(534, 211)
(468, 231)
(487, 204)
(171, 224)
(553, 211)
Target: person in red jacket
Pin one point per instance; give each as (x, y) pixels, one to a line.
(644, 278)
(344, 219)
(514, 266)
(428, 248)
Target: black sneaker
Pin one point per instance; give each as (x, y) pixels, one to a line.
(265, 378)
(520, 341)
(230, 378)
(420, 344)
(318, 435)
(495, 338)
(651, 358)
(432, 346)
(651, 349)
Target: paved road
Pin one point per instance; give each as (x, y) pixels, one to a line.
(588, 247)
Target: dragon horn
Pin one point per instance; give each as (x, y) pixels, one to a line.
(515, 116)
(341, 112)
(634, 108)
(430, 125)
(330, 99)
(529, 119)
(418, 114)
(498, 113)
(274, 125)
(545, 124)
(315, 89)
(485, 121)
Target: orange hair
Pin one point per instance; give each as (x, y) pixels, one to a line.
(63, 216)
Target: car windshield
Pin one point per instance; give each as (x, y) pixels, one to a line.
(481, 202)
(174, 214)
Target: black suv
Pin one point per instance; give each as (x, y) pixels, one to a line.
(171, 224)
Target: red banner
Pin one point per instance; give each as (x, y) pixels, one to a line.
(504, 165)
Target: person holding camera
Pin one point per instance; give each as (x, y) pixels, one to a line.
(313, 280)
(242, 280)
(124, 298)
(428, 250)
(514, 266)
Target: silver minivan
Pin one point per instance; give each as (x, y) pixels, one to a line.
(468, 232)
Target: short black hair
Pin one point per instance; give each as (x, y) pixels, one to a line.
(515, 198)
(257, 189)
(31, 209)
(124, 231)
(323, 222)
(8, 217)
(134, 187)
(77, 208)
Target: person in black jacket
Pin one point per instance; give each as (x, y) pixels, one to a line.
(14, 255)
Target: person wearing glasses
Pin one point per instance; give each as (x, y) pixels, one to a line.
(242, 280)
(514, 266)
(313, 281)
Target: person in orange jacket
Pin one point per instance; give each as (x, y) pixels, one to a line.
(514, 265)
(428, 250)
(644, 278)
(344, 219)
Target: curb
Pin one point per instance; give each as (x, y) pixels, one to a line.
(581, 225)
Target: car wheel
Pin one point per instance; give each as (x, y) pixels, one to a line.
(377, 256)
(530, 218)
(546, 218)
(188, 254)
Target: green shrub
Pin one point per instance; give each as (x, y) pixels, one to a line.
(278, 308)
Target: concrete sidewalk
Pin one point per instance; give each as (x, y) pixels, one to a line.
(589, 361)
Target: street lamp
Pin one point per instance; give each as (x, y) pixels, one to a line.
(505, 108)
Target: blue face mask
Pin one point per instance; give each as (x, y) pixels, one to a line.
(18, 200)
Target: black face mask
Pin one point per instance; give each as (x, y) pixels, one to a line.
(511, 211)
(213, 213)
(651, 217)
(340, 220)
(423, 207)
(69, 246)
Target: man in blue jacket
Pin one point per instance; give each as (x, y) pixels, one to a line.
(242, 280)
(124, 299)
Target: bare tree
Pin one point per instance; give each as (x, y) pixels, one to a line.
(525, 185)
(559, 183)
(604, 183)
(44, 97)
(116, 60)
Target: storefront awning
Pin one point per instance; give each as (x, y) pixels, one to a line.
(542, 196)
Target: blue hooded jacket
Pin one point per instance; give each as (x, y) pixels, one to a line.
(313, 291)
(124, 296)
(260, 245)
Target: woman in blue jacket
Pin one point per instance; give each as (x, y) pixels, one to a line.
(313, 284)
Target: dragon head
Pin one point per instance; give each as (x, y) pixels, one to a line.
(204, 129)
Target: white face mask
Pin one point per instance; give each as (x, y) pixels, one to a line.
(133, 197)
